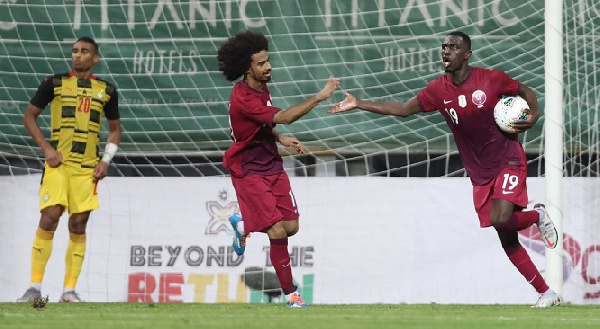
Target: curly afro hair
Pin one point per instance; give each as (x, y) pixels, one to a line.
(235, 55)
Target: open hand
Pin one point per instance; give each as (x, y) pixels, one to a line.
(347, 104)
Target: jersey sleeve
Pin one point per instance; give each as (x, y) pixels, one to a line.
(44, 93)
(506, 85)
(111, 109)
(255, 110)
(426, 98)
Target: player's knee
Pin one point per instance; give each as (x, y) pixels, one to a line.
(78, 223)
(77, 228)
(292, 232)
(277, 231)
(495, 221)
(499, 218)
(291, 227)
(50, 217)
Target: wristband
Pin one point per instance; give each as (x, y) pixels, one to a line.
(109, 152)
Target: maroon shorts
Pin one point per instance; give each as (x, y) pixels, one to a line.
(265, 200)
(510, 184)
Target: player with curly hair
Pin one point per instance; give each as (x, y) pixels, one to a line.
(262, 186)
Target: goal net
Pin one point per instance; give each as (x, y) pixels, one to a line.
(162, 57)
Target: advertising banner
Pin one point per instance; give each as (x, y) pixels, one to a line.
(361, 240)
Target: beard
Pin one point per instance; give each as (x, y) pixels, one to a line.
(265, 78)
(80, 68)
(260, 76)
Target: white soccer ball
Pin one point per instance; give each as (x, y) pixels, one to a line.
(508, 110)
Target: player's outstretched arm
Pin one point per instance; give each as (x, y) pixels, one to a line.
(297, 111)
(395, 108)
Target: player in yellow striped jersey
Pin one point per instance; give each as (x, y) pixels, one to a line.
(78, 101)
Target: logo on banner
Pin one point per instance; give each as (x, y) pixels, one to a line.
(219, 212)
(574, 257)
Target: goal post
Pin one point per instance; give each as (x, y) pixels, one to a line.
(553, 134)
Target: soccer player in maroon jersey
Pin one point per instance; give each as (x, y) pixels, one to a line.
(263, 188)
(495, 161)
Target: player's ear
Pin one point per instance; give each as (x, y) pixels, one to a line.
(468, 54)
(249, 66)
(96, 58)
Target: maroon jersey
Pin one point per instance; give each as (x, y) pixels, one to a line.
(469, 112)
(254, 150)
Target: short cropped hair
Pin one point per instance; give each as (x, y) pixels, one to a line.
(466, 38)
(91, 41)
(235, 55)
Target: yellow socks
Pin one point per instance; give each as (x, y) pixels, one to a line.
(42, 248)
(74, 259)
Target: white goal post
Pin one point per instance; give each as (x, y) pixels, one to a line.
(553, 133)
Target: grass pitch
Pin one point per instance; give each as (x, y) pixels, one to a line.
(249, 316)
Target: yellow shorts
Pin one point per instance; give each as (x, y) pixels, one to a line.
(73, 188)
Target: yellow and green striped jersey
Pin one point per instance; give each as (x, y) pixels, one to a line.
(76, 107)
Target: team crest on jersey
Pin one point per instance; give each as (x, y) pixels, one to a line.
(219, 212)
(478, 98)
